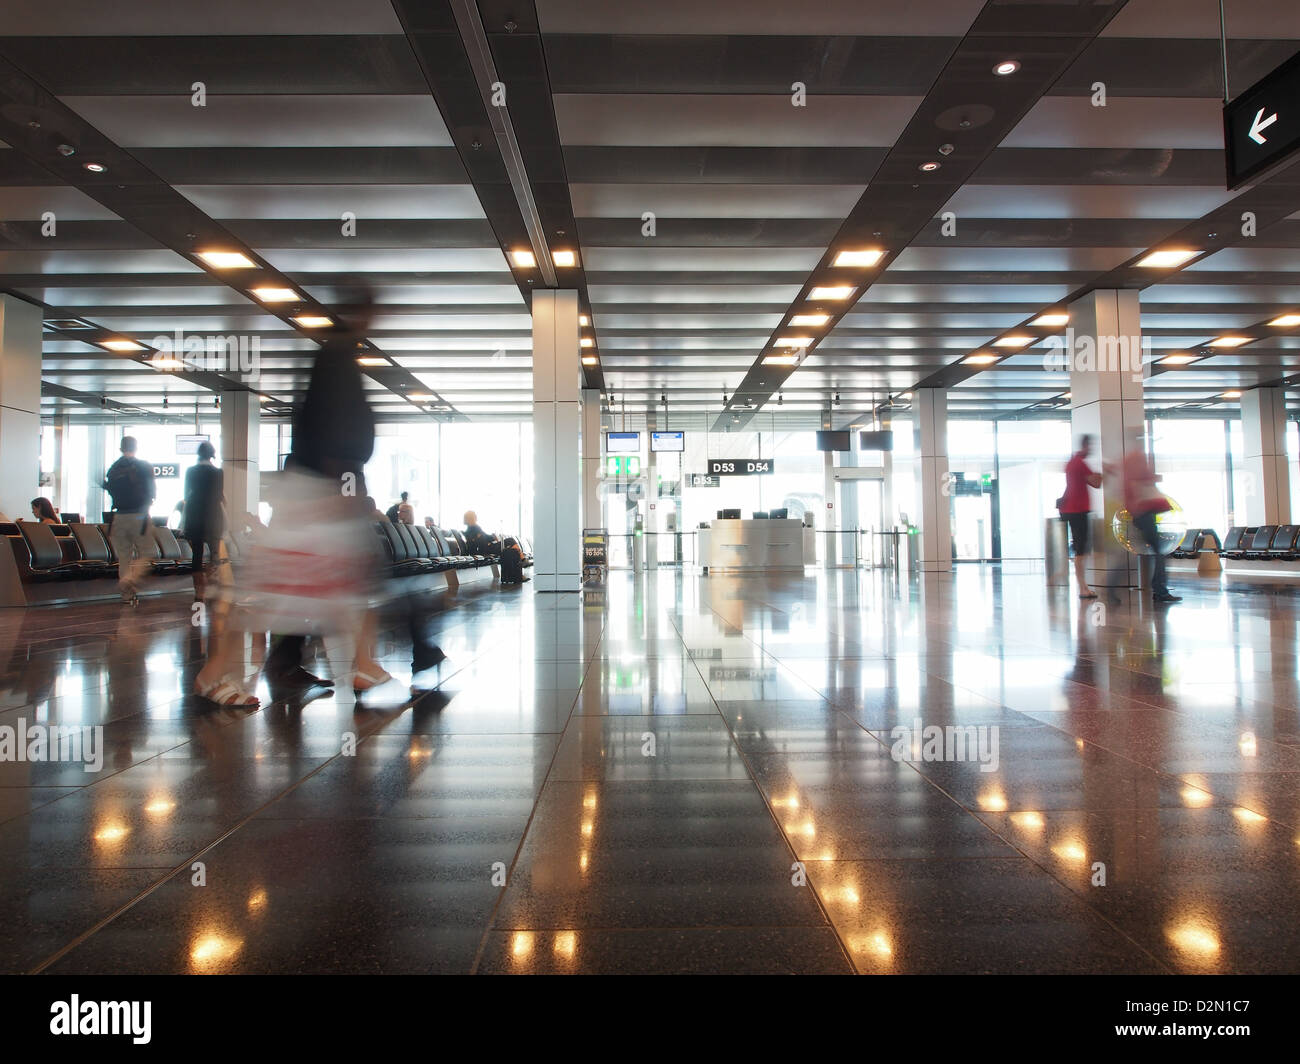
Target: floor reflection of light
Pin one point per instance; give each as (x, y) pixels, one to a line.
(992, 801)
(878, 944)
(850, 896)
(1070, 850)
(160, 806)
(1196, 798)
(1029, 821)
(257, 901)
(212, 948)
(583, 861)
(566, 944)
(112, 832)
(1195, 938)
(1079, 744)
(1248, 816)
(588, 827)
(521, 943)
(1247, 744)
(589, 800)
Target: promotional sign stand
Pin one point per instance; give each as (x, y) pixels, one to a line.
(595, 556)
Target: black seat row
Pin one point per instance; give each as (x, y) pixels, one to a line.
(1263, 542)
(1197, 541)
(80, 551)
(412, 549)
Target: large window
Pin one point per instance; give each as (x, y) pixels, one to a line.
(1191, 459)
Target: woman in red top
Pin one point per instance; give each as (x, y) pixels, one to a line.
(1075, 507)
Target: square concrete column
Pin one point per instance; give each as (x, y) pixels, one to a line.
(1104, 359)
(1268, 480)
(557, 451)
(241, 418)
(20, 406)
(593, 516)
(934, 488)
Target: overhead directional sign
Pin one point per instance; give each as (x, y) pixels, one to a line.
(1261, 127)
(740, 467)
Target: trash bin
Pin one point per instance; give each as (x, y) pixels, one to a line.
(911, 548)
(1056, 551)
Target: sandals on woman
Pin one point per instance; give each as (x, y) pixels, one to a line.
(226, 693)
(364, 681)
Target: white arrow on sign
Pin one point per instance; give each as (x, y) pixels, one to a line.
(1257, 127)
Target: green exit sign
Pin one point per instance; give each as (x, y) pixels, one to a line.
(625, 465)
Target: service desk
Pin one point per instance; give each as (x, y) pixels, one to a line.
(756, 546)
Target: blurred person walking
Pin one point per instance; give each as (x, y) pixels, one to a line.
(130, 483)
(1143, 501)
(1076, 507)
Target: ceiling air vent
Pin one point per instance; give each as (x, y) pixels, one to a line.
(67, 323)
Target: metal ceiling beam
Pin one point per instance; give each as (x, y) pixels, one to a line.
(469, 60)
(41, 128)
(968, 111)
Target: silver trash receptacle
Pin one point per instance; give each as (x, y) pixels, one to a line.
(1056, 551)
(911, 547)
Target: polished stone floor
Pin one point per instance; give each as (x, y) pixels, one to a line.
(688, 774)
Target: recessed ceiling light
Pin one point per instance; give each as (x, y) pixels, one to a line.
(263, 398)
(979, 360)
(780, 360)
(419, 397)
(166, 363)
(590, 360)
(834, 291)
(1167, 259)
(94, 168)
(1285, 321)
(929, 167)
(121, 345)
(810, 319)
(586, 341)
(583, 319)
(1007, 66)
(1230, 395)
(1050, 320)
(1067, 395)
(226, 260)
(524, 258)
(859, 257)
(372, 360)
(1230, 341)
(564, 258)
(794, 341)
(1013, 341)
(270, 294)
(1177, 360)
(313, 321)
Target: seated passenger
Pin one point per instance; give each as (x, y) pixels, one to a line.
(478, 541)
(402, 511)
(43, 511)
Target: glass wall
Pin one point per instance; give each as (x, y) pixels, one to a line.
(1191, 458)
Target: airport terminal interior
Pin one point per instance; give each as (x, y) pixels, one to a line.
(708, 595)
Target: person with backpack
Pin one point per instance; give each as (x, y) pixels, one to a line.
(130, 483)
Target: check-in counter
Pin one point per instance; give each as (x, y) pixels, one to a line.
(758, 546)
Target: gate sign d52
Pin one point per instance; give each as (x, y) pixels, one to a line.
(740, 467)
(1262, 125)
